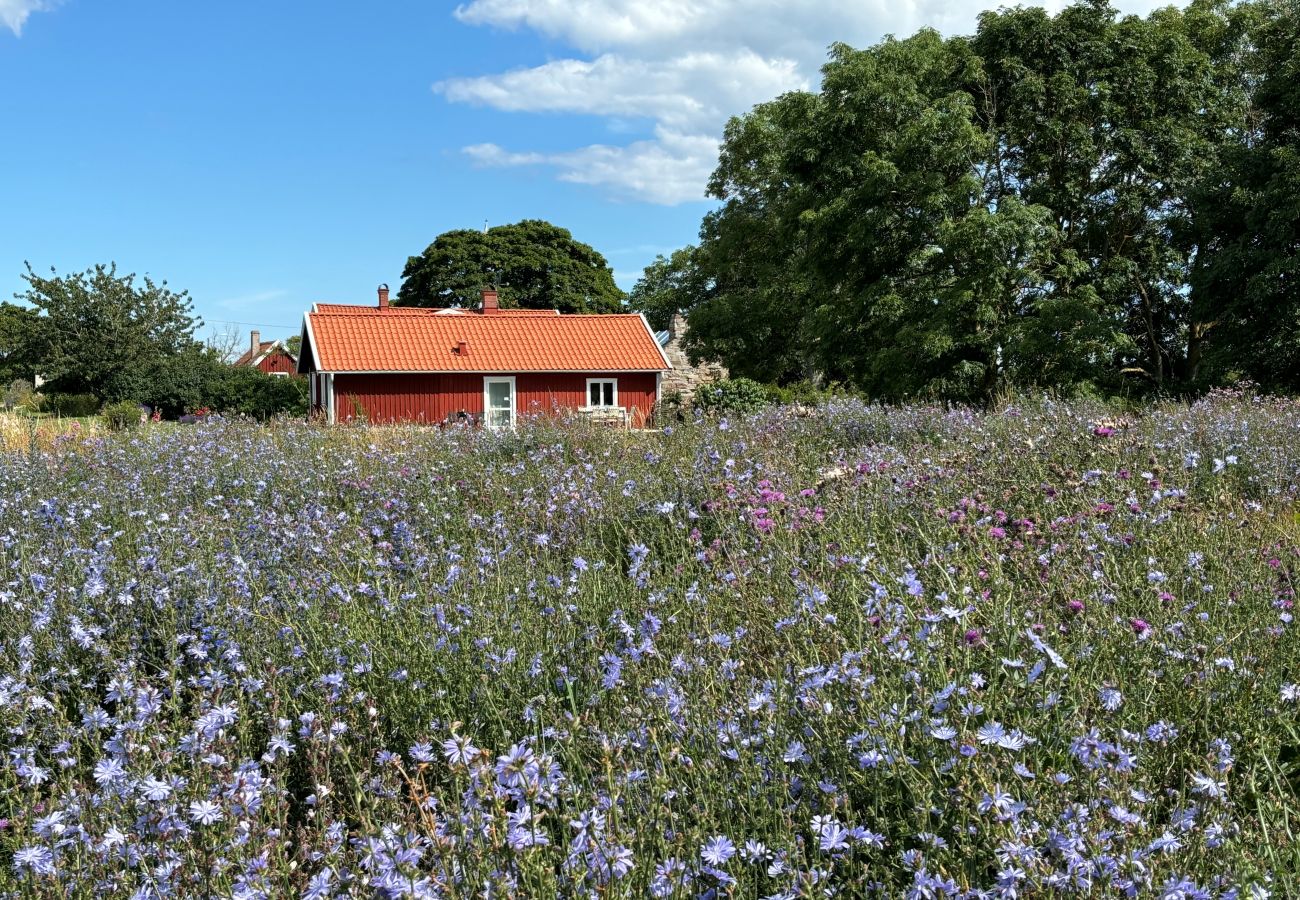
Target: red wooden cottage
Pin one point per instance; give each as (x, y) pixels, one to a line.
(403, 364)
(272, 357)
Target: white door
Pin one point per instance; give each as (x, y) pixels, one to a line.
(499, 402)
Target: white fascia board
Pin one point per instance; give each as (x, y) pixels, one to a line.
(654, 340)
(311, 342)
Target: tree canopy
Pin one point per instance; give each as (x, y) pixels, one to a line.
(1083, 202)
(118, 339)
(533, 264)
(102, 333)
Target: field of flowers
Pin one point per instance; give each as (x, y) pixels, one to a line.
(891, 652)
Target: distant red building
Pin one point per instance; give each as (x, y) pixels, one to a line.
(272, 357)
(405, 364)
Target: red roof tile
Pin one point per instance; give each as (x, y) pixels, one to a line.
(405, 339)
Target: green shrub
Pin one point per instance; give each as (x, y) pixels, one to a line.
(73, 406)
(123, 415)
(180, 384)
(806, 393)
(246, 391)
(19, 395)
(731, 395)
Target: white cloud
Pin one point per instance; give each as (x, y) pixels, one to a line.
(695, 90)
(686, 66)
(671, 168)
(14, 13)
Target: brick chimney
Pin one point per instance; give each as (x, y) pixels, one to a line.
(383, 296)
(255, 342)
(462, 348)
(490, 304)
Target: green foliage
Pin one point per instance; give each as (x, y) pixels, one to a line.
(731, 395)
(101, 333)
(534, 265)
(20, 332)
(20, 394)
(198, 378)
(1246, 291)
(122, 415)
(1082, 202)
(72, 406)
(668, 286)
(806, 393)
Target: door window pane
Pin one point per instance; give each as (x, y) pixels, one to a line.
(499, 394)
(500, 404)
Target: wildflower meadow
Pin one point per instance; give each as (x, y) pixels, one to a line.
(874, 651)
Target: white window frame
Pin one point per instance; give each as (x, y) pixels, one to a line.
(514, 398)
(278, 374)
(590, 381)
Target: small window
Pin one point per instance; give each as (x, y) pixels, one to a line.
(279, 374)
(602, 392)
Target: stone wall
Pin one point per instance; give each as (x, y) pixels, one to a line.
(685, 378)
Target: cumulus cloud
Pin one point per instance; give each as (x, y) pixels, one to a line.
(684, 65)
(691, 91)
(14, 13)
(668, 169)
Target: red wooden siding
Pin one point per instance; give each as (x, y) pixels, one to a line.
(278, 361)
(435, 397)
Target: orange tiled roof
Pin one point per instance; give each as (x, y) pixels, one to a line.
(406, 339)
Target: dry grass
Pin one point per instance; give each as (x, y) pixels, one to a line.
(22, 434)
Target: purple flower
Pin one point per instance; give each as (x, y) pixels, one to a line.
(204, 812)
(718, 850)
(109, 771)
(459, 750)
(39, 860)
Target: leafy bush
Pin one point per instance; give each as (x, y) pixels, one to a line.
(19, 394)
(73, 406)
(180, 384)
(731, 395)
(807, 393)
(251, 392)
(123, 415)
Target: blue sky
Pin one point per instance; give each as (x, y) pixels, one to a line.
(266, 155)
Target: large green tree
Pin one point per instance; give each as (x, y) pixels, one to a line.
(1112, 124)
(533, 264)
(857, 237)
(1024, 207)
(104, 334)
